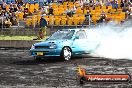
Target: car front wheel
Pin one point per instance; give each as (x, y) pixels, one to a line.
(37, 58)
(66, 53)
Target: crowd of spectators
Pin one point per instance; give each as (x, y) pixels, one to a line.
(9, 8)
(9, 11)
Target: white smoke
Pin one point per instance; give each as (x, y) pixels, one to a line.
(115, 41)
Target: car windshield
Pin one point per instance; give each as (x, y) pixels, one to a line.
(65, 34)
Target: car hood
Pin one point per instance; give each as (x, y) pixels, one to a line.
(47, 42)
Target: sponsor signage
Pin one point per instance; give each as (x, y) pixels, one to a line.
(110, 78)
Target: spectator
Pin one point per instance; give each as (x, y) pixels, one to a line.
(98, 3)
(91, 3)
(127, 6)
(25, 1)
(42, 32)
(102, 17)
(15, 8)
(60, 1)
(19, 3)
(4, 6)
(50, 11)
(85, 4)
(7, 14)
(15, 21)
(122, 4)
(46, 9)
(2, 13)
(11, 20)
(69, 11)
(107, 3)
(41, 4)
(7, 23)
(114, 4)
(11, 8)
(45, 2)
(49, 1)
(13, 1)
(43, 22)
(31, 1)
(80, 2)
(43, 10)
(127, 3)
(11, 17)
(88, 16)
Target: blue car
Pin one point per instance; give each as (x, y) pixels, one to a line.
(65, 44)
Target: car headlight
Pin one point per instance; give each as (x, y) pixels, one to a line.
(33, 47)
(52, 46)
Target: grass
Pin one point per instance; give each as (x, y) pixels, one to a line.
(12, 37)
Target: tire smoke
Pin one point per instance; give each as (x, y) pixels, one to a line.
(115, 40)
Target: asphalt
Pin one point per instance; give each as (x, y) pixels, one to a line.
(19, 70)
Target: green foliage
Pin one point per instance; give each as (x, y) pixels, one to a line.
(7, 37)
(13, 37)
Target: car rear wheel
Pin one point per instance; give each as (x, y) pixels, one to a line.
(66, 53)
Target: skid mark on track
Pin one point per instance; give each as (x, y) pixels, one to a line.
(17, 68)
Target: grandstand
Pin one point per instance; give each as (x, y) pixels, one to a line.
(27, 13)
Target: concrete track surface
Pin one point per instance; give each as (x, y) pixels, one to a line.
(19, 70)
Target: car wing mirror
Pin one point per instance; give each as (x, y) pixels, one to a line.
(76, 37)
(46, 38)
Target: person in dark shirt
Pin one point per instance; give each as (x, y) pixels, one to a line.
(50, 11)
(15, 8)
(122, 4)
(42, 30)
(102, 17)
(11, 8)
(43, 25)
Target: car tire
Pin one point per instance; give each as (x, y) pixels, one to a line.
(82, 80)
(37, 58)
(66, 53)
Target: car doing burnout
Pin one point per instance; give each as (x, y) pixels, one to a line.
(65, 43)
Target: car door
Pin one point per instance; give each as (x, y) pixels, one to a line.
(79, 44)
(86, 43)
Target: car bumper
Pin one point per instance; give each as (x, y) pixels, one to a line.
(45, 52)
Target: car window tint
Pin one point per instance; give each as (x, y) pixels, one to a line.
(69, 35)
(81, 34)
(65, 34)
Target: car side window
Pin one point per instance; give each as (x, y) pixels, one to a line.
(81, 34)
